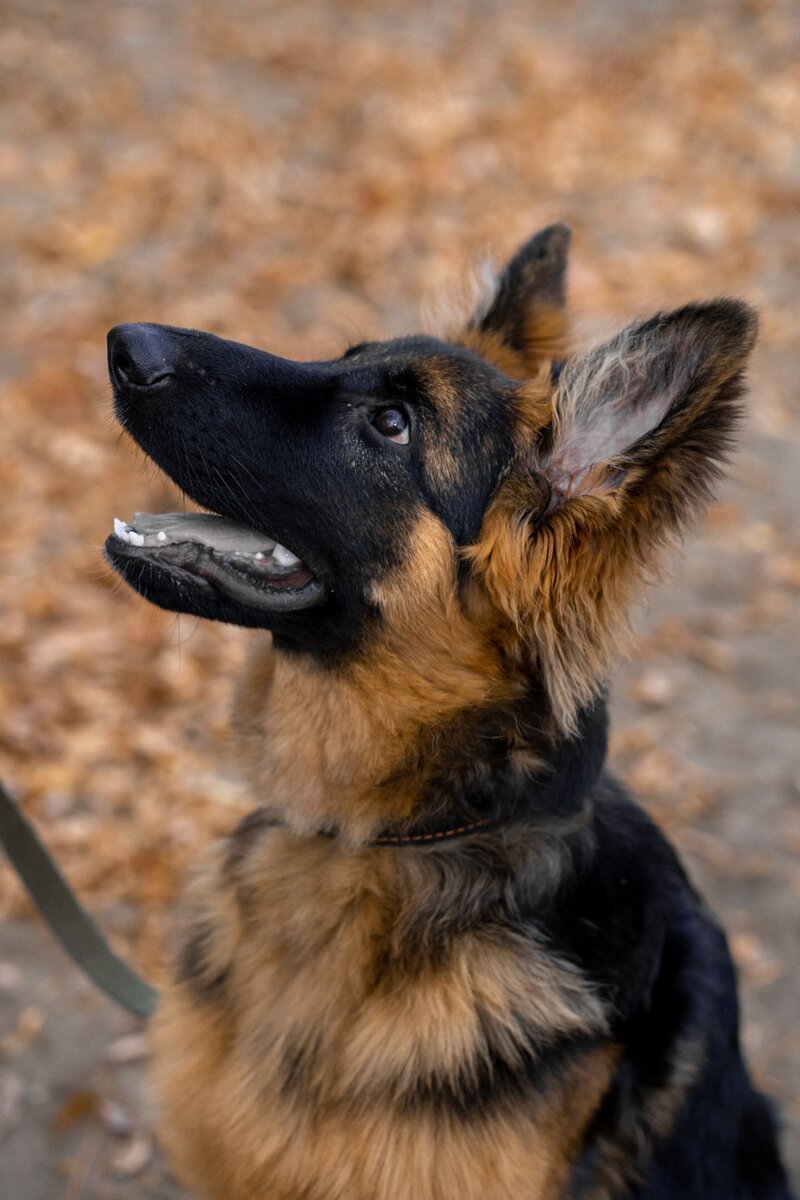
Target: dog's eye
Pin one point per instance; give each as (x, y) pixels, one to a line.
(392, 423)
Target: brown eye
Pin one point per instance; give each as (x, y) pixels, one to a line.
(392, 423)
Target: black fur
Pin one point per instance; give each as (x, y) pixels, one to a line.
(289, 450)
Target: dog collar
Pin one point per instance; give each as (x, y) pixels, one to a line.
(567, 778)
(434, 835)
(424, 835)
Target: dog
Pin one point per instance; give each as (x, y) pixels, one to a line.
(446, 957)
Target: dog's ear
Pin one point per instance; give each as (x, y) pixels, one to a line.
(525, 320)
(637, 433)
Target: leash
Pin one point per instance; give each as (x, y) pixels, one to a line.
(65, 916)
(79, 934)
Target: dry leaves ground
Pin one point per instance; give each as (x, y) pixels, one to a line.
(300, 176)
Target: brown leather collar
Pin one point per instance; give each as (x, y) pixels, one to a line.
(436, 835)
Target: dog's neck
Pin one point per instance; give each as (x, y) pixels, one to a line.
(321, 747)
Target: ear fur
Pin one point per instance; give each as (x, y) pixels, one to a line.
(525, 321)
(639, 430)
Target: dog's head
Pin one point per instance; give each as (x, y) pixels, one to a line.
(484, 497)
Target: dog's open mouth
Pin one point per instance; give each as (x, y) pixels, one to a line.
(211, 553)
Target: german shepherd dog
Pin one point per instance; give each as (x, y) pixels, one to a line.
(446, 957)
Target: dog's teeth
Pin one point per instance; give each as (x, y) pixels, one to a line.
(126, 533)
(162, 537)
(284, 557)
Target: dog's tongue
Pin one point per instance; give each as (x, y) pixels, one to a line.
(202, 551)
(157, 530)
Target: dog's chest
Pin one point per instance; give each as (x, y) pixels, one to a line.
(365, 1032)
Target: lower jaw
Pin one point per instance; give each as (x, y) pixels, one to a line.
(191, 579)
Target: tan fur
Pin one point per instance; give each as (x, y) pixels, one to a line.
(546, 336)
(436, 377)
(566, 579)
(330, 748)
(376, 1155)
(569, 603)
(311, 962)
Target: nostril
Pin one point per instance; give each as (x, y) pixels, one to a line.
(140, 374)
(139, 356)
(123, 366)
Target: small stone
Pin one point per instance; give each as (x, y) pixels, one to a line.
(653, 690)
(12, 1100)
(132, 1158)
(10, 980)
(29, 1025)
(132, 1048)
(758, 963)
(115, 1119)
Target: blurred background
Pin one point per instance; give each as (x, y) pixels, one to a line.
(301, 176)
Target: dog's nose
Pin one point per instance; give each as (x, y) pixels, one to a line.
(139, 356)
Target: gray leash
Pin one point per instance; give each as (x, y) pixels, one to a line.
(67, 919)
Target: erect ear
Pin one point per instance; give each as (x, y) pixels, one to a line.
(525, 321)
(652, 412)
(640, 427)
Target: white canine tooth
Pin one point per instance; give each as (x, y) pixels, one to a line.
(284, 557)
(135, 539)
(120, 529)
(162, 537)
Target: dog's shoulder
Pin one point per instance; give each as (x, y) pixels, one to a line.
(680, 1104)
